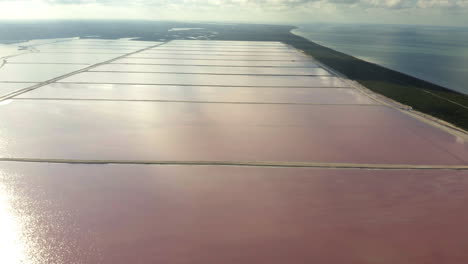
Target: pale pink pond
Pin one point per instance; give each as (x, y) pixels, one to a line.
(120, 214)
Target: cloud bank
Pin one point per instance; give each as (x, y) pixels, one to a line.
(267, 4)
(451, 12)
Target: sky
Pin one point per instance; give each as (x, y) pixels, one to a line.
(428, 12)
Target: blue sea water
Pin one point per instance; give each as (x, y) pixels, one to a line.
(435, 54)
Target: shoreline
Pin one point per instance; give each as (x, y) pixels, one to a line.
(302, 32)
(428, 98)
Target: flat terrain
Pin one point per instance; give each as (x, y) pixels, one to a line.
(422, 96)
(197, 151)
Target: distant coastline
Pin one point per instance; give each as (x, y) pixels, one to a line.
(435, 54)
(423, 96)
(296, 33)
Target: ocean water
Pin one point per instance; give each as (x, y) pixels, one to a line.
(435, 54)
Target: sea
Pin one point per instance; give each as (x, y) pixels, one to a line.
(432, 53)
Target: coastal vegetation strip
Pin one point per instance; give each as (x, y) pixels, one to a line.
(425, 97)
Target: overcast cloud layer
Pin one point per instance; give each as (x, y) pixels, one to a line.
(435, 12)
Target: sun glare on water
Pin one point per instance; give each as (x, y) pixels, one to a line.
(13, 246)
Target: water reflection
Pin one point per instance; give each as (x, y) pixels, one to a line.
(5, 102)
(14, 246)
(33, 228)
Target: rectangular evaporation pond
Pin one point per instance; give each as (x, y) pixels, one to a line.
(240, 63)
(200, 93)
(102, 44)
(220, 57)
(225, 49)
(212, 69)
(225, 43)
(7, 88)
(35, 72)
(205, 79)
(127, 40)
(109, 130)
(9, 50)
(91, 47)
(87, 51)
(222, 53)
(160, 49)
(83, 46)
(169, 45)
(114, 43)
(228, 43)
(62, 58)
(166, 208)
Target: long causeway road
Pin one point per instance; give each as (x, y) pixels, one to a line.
(229, 152)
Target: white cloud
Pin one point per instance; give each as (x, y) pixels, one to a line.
(367, 11)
